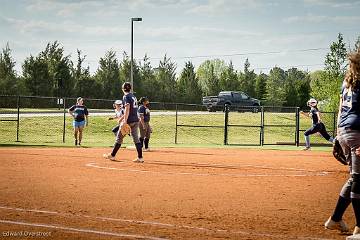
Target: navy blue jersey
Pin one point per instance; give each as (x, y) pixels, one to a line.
(350, 108)
(79, 112)
(314, 116)
(146, 112)
(130, 99)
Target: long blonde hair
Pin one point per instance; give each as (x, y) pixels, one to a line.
(352, 77)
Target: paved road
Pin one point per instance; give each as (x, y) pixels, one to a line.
(58, 114)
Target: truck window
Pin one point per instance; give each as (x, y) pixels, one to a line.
(225, 94)
(244, 96)
(236, 95)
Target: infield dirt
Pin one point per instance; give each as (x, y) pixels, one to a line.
(178, 193)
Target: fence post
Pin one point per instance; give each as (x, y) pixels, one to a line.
(262, 126)
(18, 118)
(226, 125)
(176, 122)
(297, 126)
(64, 126)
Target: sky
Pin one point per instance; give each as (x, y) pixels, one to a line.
(283, 33)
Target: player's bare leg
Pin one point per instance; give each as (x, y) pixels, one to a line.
(307, 143)
(80, 134)
(76, 130)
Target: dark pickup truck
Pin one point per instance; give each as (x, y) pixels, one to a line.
(236, 100)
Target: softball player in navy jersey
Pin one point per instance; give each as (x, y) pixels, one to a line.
(119, 115)
(131, 118)
(317, 127)
(349, 139)
(80, 114)
(145, 128)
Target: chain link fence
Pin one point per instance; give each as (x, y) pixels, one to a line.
(45, 121)
(9, 119)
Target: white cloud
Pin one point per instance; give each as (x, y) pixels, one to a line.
(225, 6)
(322, 18)
(34, 27)
(107, 33)
(102, 8)
(192, 33)
(63, 8)
(295, 41)
(333, 3)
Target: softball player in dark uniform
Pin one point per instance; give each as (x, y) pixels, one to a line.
(131, 118)
(349, 139)
(79, 112)
(145, 128)
(317, 127)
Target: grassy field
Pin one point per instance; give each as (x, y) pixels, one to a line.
(49, 130)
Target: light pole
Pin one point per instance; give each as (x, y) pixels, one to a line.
(132, 51)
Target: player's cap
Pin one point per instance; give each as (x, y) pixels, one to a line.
(126, 86)
(79, 99)
(312, 102)
(118, 102)
(143, 99)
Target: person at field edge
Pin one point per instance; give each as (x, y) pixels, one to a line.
(80, 114)
(317, 125)
(349, 139)
(144, 125)
(131, 118)
(119, 115)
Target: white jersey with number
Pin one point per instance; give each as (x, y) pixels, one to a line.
(119, 113)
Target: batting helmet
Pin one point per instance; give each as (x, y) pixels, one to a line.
(312, 102)
(126, 86)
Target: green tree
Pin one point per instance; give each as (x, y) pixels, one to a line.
(36, 76)
(229, 79)
(247, 79)
(8, 78)
(275, 87)
(166, 78)
(148, 79)
(125, 69)
(335, 61)
(85, 85)
(209, 73)
(260, 86)
(297, 88)
(318, 83)
(357, 45)
(188, 86)
(303, 91)
(326, 86)
(60, 69)
(108, 76)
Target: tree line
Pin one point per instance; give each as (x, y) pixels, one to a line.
(52, 73)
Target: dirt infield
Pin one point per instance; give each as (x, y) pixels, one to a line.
(73, 193)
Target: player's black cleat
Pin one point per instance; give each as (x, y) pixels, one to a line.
(75, 142)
